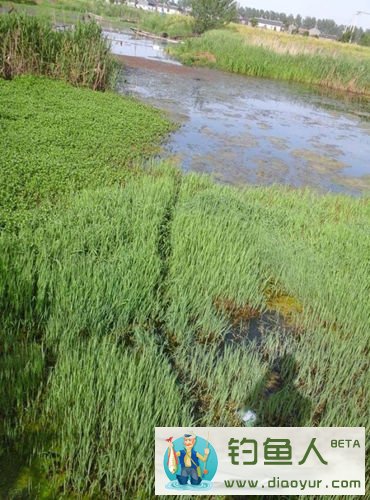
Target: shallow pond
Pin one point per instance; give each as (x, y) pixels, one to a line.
(249, 130)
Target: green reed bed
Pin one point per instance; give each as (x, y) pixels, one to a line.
(309, 250)
(94, 274)
(120, 303)
(57, 140)
(213, 257)
(321, 240)
(232, 52)
(254, 244)
(95, 266)
(104, 415)
(251, 248)
(30, 45)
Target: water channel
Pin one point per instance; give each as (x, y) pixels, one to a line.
(249, 130)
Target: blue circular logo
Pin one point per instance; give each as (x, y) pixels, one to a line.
(206, 469)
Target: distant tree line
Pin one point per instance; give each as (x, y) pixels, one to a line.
(215, 13)
(326, 26)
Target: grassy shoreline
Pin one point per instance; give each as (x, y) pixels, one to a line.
(262, 57)
(237, 49)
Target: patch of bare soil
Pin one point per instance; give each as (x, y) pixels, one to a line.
(164, 67)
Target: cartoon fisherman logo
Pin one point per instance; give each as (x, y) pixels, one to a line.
(190, 462)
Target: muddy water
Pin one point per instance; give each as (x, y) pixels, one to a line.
(248, 130)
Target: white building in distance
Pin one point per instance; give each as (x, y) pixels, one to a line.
(154, 6)
(269, 24)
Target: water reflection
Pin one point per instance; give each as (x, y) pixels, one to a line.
(130, 44)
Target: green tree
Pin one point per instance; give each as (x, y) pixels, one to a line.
(309, 22)
(346, 36)
(365, 39)
(209, 14)
(352, 35)
(184, 4)
(254, 22)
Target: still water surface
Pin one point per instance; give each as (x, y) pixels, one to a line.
(249, 130)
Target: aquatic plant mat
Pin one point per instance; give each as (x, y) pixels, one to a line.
(57, 140)
(169, 300)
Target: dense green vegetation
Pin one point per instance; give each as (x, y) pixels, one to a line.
(174, 26)
(115, 16)
(106, 244)
(239, 53)
(239, 49)
(129, 296)
(57, 140)
(116, 306)
(212, 14)
(31, 45)
(122, 302)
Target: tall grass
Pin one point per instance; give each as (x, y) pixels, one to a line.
(236, 53)
(285, 43)
(101, 267)
(104, 415)
(30, 45)
(256, 248)
(175, 26)
(268, 242)
(118, 305)
(125, 297)
(113, 237)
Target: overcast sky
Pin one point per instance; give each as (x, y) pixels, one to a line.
(342, 11)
